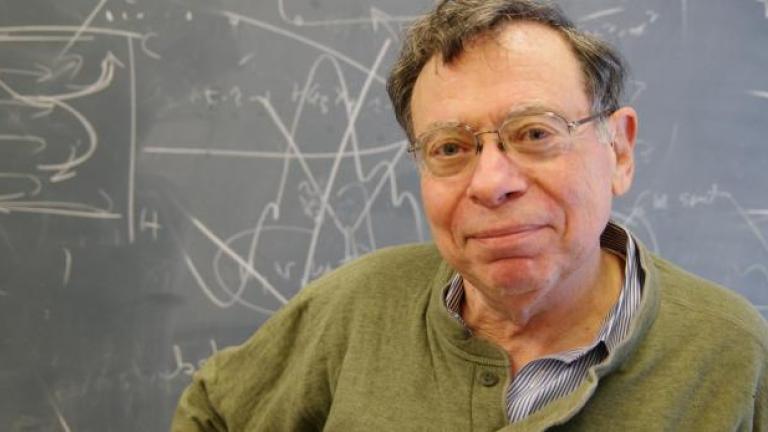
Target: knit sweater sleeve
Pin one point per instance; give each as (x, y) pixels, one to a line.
(277, 380)
(286, 376)
(195, 412)
(760, 421)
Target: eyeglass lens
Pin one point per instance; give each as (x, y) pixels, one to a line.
(449, 150)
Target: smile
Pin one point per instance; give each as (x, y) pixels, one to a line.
(516, 231)
(509, 238)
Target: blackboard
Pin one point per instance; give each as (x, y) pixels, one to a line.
(173, 171)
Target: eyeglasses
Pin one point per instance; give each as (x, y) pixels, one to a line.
(451, 149)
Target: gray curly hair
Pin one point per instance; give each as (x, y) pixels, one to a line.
(455, 23)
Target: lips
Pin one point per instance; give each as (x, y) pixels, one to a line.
(511, 231)
(509, 241)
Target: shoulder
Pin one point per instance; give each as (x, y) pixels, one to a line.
(286, 370)
(378, 283)
(705, 306)
(369, 288)
(412, 262)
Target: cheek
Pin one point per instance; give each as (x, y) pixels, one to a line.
(440, 201)
(589, 195)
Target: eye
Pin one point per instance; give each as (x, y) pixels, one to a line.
(533, 136)
(448, 149)
(534, 133)
(449, 143)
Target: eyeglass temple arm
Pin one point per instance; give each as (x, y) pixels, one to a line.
(576, 123)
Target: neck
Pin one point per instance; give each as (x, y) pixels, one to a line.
(565, 317)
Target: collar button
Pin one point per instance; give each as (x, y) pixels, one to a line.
(488, 378)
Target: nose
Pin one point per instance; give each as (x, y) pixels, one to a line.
(497, 178)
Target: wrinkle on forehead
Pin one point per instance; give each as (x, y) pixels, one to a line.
(538, 60)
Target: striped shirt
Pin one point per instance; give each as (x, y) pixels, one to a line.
(549, 378)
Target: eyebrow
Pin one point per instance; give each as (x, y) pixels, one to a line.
(528, 110)
(442, 124)
(514, 112)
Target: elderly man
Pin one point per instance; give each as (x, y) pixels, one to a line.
(532, 310)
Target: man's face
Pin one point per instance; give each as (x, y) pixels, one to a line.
(515, 227)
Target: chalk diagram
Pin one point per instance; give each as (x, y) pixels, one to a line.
(309, 172)
(42, 130)
(329, 207)
(58, 149)
(54, 144)
(80, 156)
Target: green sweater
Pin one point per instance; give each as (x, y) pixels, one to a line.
(371, 347)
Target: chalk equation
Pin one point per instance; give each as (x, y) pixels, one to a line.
(336, 204)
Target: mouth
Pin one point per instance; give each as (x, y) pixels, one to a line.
(511, 231)
(521, 240)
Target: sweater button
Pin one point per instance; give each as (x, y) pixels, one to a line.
(488, 378)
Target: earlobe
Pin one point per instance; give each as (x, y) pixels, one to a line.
(623, 145)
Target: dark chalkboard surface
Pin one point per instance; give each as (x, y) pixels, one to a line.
(171, 172)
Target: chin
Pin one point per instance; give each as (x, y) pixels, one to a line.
(514, 279)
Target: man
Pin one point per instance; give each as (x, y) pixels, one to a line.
(534, 311)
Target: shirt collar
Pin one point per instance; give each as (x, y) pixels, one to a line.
(615, 239)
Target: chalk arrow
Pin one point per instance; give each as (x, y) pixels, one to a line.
(45, 73)
(35, 183)
(71, 63)
(39, 142)
(380, 17)
(112, 58)
(40, 72)
(44, 101)
(104, 80)
(62, 169)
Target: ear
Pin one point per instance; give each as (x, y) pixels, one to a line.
(623, 125)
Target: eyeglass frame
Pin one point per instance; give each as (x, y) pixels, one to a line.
(571, 125)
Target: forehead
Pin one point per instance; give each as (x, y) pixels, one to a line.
(525, 64)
